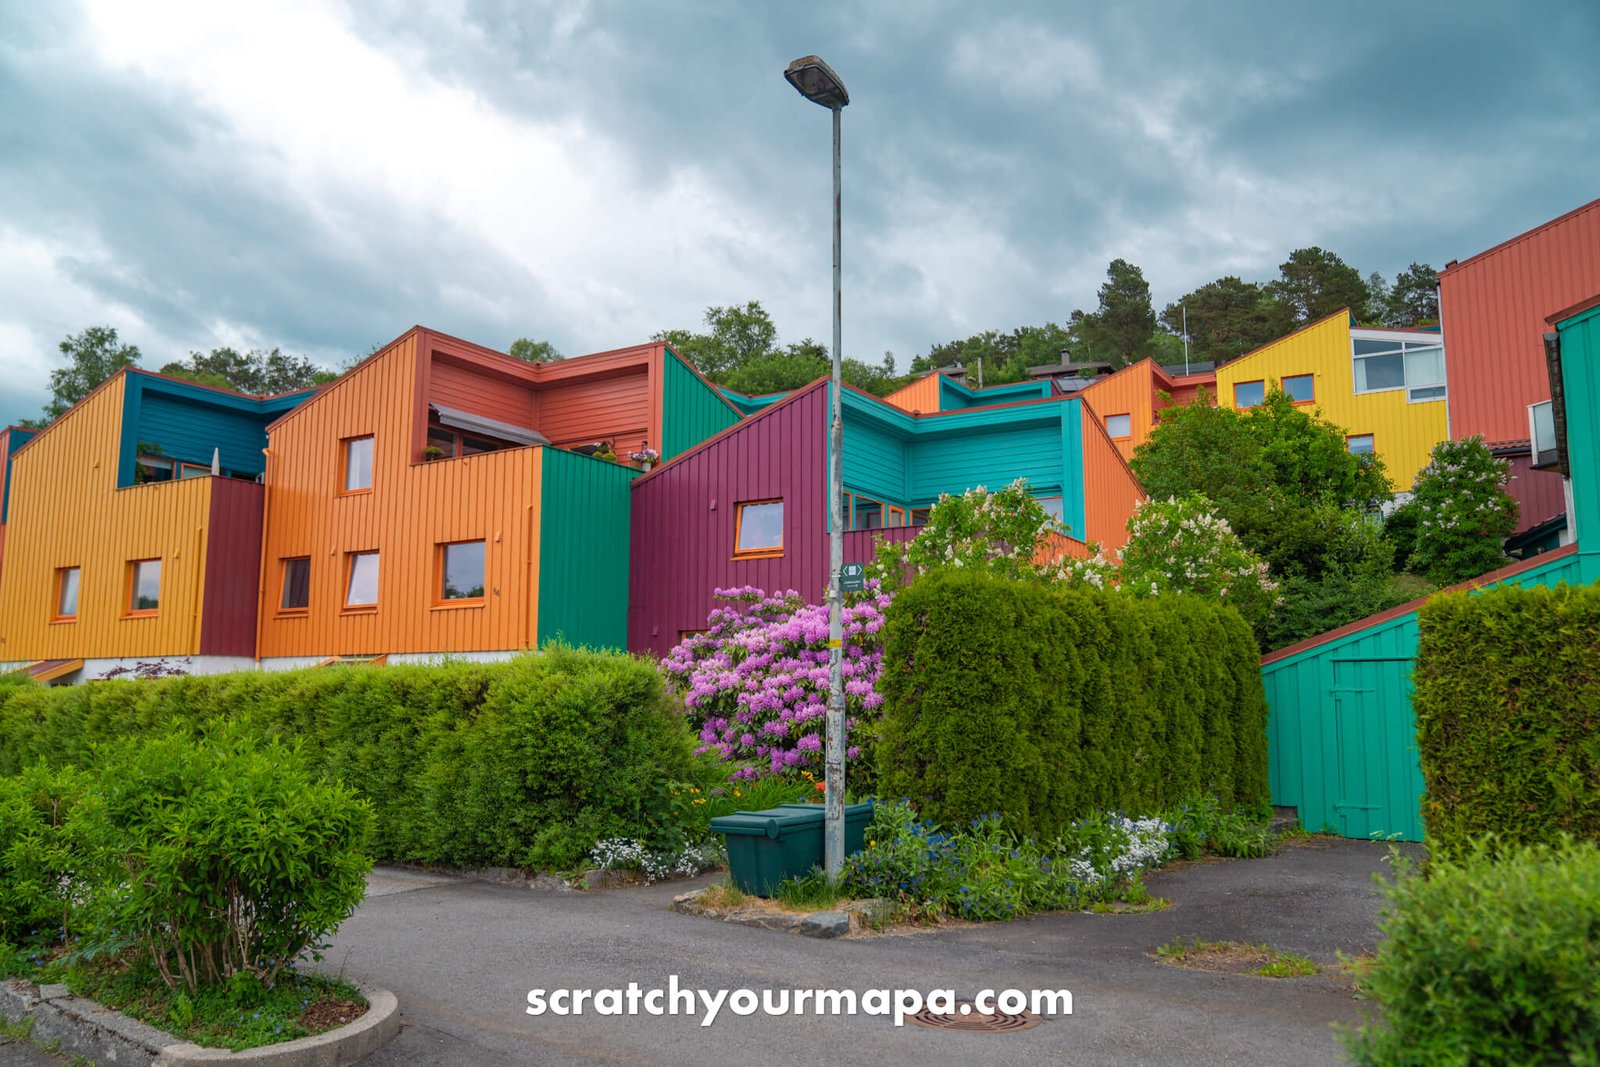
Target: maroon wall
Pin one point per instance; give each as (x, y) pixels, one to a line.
(233, 569)
(1539, 494)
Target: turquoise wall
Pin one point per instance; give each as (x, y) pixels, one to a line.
(1580, 377)
(584, 516)
(956, 396)
(186, 422)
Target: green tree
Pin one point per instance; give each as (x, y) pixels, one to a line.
(1414, 300)
(1463, 512)
(1379, 301)
(1119, 331)
(736, 334)
(258, 372)
(1004, 357)
(92, 356)
(531, 351)
(1228, 317)
(1315, 283)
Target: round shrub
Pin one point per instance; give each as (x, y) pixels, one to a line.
(1490, 958)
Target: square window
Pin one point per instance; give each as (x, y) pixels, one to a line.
(361, 591)
(1054, 506)
(758, 528)
(919, 516)
(296, 585)
(144, 586)
(154, 469)
(868, 514)
(461, 571)
(1119, 426)
(1359, 444)
(357, 464)
(1249, 394)
(1301, 388)
(67, 579)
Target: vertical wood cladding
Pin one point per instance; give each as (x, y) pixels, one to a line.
(920, 397)
(233, 564)
(411, 509)
(68, 512)
(1110, 491)
(683, 520)
(1494, 307)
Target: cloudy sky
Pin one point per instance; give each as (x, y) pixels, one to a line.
(320, 175)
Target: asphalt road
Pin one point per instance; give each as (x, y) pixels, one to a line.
(463, 955)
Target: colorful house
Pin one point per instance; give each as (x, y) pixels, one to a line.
(1385, 387)
(1341, 733)
(750, 506)
(431, 499)
(134, 529)
(1128, 402)
(1493, 307)
(940, 391)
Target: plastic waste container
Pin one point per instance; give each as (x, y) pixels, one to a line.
(765, 847)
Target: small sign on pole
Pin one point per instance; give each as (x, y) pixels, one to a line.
(853, 577)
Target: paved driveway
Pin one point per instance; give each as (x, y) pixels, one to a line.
(462, 956)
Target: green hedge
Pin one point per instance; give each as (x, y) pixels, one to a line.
(1508, 714)
(525, 763)
(1046, 704)
(1490, 958)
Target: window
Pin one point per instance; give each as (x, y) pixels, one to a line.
(867, 514)
(357, 464)
(1415, 366)
(454, 444)
(1054, 506)
(67, 594)
(461, 571)
(194, 470)
(1359, 444)
(1301, 388)
(144, 587)
(361, 591)
(758, 528)
(296, 585)
(919, 516)
(154, 469)
(895, 517)
(1119, 426)
(1249, 394)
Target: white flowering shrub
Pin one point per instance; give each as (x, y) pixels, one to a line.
(1179, 545)
(1006, 532)
(1463, 512)
(625, 853)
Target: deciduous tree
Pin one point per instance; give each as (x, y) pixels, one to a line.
(92, 356)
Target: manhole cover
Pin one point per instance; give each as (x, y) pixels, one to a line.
(968, 1018)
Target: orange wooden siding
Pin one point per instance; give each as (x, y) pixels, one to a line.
(68, 512)
(1130, 391)
(412, 508)
(1110, 491)
(921, 396)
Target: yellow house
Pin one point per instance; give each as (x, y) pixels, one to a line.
(1385, 387)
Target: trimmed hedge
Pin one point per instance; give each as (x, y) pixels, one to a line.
(1046, 704)
(1490, 958)
(1508, 714)
(526, 763)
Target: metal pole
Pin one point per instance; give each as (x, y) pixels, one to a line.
(834, 796)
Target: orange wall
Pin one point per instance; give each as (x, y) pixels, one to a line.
(920, 396)
(1130, 391)
(412, 507)
(1110, 491)
(66, 510)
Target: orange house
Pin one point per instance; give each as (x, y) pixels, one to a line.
(429, 501)
(1128, 402)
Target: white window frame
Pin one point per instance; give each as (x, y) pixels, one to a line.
(1403, 344)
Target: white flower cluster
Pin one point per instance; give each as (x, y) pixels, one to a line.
(624, 853)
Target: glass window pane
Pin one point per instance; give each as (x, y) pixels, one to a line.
(1380, 372)
(155, 469)
(1424, 366)
(1300, 388)
(463, 571)
(146, 586)
(919, 516)
(1370, 348)
(761, 526)
(1053, 505)
(1119, 425)
(1544, 427)
(1249, 394)
(357, 464)
(296, 584)
(443, 440)
(1427, 392)
(473, 446)
(869, 514)
(363, 590)
(1359, 444)
(67, 603)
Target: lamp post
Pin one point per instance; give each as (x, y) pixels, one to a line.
(817, 82)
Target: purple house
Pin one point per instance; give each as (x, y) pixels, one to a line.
(750, 505)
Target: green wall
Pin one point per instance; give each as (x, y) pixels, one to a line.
(691, 410)
(1580, 378)
(583, 550)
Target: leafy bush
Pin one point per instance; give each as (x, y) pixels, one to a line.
(1464, 513)
(42, 867)
(1180, 546)
(233, 859)
(1204, 825)
(1508, 714)
(525, 763)
(1490, 958)
(1048, 704)
(1006, 532)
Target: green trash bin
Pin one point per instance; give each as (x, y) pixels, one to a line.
(765, 847)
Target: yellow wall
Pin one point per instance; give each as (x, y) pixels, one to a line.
(1403, 433)
(66, 510)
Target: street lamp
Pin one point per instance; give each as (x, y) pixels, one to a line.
(817, 82)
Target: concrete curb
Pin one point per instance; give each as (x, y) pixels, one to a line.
(84, 1028)
(850, 918)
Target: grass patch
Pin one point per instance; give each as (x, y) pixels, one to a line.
(810, 892)
(18, 1030)
(1235, 957)
(723, 896)
(1135, 899)
(238, 1014)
